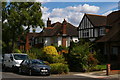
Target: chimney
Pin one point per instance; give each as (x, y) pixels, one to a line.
(64, 27)
(27, 43)
(48, 23)
(64, 33)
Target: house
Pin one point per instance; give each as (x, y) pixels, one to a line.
(111, 40)
(25, 42)
(58, 34)
(105, 32)
(92, 27)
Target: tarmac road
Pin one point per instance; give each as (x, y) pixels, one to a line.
(15, 76)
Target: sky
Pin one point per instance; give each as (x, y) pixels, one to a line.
(73, 12)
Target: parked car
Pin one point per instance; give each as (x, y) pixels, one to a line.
(34, 66)
(13, 60)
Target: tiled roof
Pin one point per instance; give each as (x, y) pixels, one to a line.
(114, 33)
(56, 30)
(30, 35)
(97, 20)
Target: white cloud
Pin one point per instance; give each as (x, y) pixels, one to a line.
(72, 14)
(42, 0)
(38, 29)
(90, 9)
(108, 12)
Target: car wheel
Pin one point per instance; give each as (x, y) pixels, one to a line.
(20, 70)
(4, 68)
(30, 72)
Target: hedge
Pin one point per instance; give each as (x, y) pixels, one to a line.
(59, 68)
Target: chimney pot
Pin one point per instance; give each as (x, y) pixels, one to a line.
(48, 23)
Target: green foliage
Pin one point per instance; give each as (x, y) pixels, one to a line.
(80, 57)
(50, 50)
(51, 58)
(59, 68)
(17, 51)
(19, 14)
(32, 55)
(100, 67)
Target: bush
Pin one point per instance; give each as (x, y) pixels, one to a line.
(92, 62)
(52, 59)
(32, 55)
(80, 57)
(50, 50)
(59, 68)
(50, 54)
(100, 67)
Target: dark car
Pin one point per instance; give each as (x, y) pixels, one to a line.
(34, 66)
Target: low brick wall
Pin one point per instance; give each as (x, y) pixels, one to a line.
(114, 72)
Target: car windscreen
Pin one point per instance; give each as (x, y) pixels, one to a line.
(20, 57)
(37, 62)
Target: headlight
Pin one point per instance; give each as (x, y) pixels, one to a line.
(44, 70)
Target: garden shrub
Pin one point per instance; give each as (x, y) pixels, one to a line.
(31, 55)
(80, 57)
(53, 59)
(51, 55)
(100, 67)
(50, 50)
(59, 68)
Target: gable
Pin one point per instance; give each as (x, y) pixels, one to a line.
(85, 23)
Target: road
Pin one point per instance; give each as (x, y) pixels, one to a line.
(15, 76)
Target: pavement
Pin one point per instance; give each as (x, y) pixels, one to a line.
(98, 75)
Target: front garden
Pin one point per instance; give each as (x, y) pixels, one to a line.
(79, 57)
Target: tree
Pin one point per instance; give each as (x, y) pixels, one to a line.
(17, 15)
(80, 58)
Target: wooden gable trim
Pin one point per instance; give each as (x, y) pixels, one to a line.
(83, 19)
(90, 20)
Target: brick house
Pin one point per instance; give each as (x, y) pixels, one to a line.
(111, 40)
(58, 34)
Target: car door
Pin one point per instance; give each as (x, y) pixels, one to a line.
(11, 61)
(7, 60)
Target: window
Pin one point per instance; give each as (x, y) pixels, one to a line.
(36, 41)
(85, 33)
(20, 57)
(114, 50)
(102, 31)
